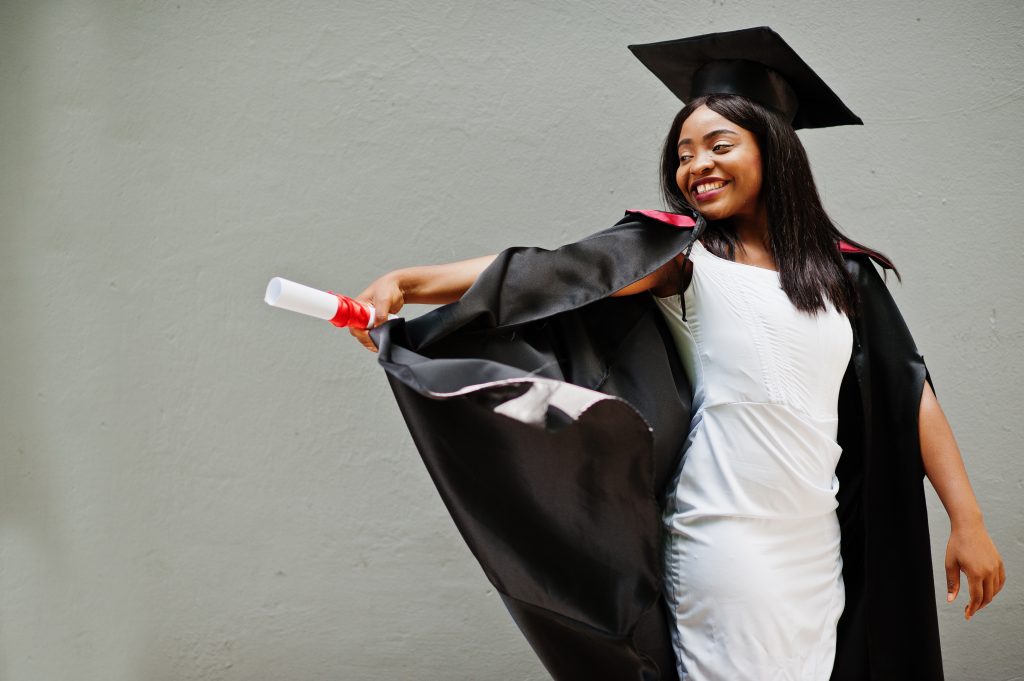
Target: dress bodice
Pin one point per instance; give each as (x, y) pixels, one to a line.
(766, 379)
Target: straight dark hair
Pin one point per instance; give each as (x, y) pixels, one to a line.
(802, 238)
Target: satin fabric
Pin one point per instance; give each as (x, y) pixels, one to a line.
(550, 417)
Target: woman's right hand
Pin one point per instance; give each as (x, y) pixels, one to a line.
(425, 284)
(387, 297)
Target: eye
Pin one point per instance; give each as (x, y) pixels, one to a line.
(684, 158)
(721, 146)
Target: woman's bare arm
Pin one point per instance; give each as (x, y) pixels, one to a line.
(970, 548)
(427, 284)
(440, 284)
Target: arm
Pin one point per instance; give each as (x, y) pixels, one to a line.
(440, 284)
(970, 548)
(428, 284)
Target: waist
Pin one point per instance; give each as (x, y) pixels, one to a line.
(769, 413)
(757, 459)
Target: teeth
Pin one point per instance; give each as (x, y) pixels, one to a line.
(710, 186)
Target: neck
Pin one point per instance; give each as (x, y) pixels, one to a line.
(751, 231)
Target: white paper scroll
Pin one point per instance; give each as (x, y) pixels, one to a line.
(302, 299)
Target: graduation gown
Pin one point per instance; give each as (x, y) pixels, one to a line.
(551, 418)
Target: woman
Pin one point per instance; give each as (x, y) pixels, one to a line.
(760, 310)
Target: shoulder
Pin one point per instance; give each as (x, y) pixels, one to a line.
(860, 256)
(651, 244)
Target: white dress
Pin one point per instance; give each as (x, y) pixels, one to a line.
(753, 569)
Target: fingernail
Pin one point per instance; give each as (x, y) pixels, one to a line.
(949, 598)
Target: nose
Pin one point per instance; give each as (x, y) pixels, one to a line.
(702, 163)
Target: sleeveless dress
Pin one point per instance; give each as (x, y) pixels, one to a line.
(753, 569)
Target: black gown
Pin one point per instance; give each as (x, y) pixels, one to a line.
(552, 416)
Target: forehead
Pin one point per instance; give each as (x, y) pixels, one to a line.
(703, 120)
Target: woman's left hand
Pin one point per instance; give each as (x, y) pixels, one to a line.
(970, 549)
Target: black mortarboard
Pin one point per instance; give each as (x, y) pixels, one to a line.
(753, 62)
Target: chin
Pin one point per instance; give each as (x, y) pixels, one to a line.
(715, 213)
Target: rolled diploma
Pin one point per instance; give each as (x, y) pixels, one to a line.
(296, 297)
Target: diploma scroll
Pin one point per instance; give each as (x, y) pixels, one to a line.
(333, 307)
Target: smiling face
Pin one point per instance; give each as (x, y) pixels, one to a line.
(719, 169)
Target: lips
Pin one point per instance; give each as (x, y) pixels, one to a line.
(707, 188)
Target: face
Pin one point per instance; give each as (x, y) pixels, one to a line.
(719, 167)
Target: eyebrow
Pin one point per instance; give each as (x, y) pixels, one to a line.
(707, 136)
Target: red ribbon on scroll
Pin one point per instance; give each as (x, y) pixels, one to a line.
(350, 312)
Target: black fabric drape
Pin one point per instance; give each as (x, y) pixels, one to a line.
(552, 416)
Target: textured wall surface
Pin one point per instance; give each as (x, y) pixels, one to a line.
(197, 486)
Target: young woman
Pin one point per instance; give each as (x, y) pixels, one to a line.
(759, 308)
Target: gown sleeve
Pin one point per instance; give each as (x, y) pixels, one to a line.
(550, 417)
(890, 623)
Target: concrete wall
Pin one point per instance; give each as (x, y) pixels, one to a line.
(196, 486)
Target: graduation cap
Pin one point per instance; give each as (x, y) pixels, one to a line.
(753, 62)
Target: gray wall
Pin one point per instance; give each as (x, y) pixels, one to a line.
(197, 486)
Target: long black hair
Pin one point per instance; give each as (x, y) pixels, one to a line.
(802, 238)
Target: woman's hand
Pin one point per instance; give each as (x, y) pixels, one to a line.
(970, 549)
(427, 284)
(387, 297)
